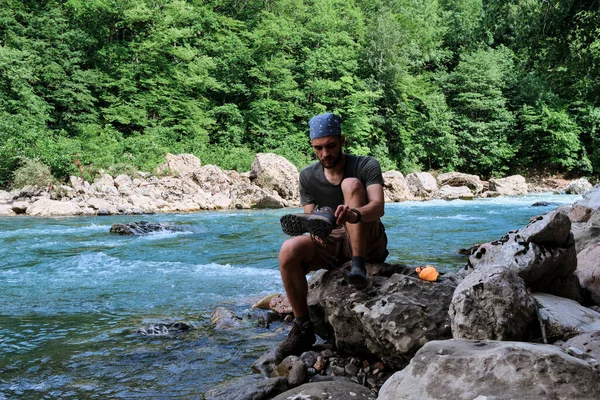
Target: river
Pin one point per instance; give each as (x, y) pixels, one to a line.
(73, 296)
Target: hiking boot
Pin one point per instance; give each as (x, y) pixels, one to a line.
(357, 276)
(319, 223)
(300, 339)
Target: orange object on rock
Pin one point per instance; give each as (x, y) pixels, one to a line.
(427, 273)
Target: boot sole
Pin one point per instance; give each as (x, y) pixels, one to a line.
(297, 224)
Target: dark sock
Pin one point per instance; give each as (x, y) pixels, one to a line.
(302, 320)
(357, 260)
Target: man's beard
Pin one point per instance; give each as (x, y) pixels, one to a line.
(331, 162)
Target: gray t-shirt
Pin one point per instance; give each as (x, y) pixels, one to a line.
(316, 189)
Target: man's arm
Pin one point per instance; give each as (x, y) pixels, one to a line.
(371, 211)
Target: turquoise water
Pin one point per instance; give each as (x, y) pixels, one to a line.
(73, 296)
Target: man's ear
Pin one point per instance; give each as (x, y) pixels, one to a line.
(342, 140)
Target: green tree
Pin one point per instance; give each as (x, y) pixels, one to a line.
(482, 122)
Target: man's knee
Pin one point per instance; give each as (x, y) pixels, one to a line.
(352, 185)
(295, 250)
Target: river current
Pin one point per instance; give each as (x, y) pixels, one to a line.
(73, 297)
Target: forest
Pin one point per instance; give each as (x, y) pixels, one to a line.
(490, 87)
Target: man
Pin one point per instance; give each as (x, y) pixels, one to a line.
(342, 197)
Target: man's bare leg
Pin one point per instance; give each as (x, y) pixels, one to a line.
(355, 196)
(293, 253)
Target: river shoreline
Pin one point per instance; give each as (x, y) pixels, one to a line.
(272, 183)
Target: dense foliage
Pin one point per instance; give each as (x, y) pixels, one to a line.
(482, 86)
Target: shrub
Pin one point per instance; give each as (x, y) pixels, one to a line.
(32, 173)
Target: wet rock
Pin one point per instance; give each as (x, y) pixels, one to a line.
(165, 329)
(467, 370)
(543, 204)
(253, 387)
(280, 304)
(293, 369)
(224, 319)
(143, 228)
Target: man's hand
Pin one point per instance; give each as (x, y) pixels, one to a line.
(344, 214)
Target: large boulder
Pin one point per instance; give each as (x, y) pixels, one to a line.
(473, 369)
(565, 318)
(542, 254)
(179, 165)
(421, 184)
(492, 304)
(53, 208)
(588, 271)
(338, 390)
(591, 199)
(396, 187)
(275, 173)
(510, 186)
(587, 233)
(579, 186)
(231, 190)
(457, 179)
(390, 319)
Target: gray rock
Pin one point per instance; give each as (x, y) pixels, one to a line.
(457, 179)
(143, 228)
(551, 229)
(421, 184)
(223, 319)
(293, 369)
(253, 387)
(540, 266)
(337, 389)
(514, 185)
(587, 343)
(275, 173)
(588, 233)
(179, 165)
(396, 187)
(52, 208)
(453, 193)
(391, 319)
(579, 186)
(588, 270)
(492, 304)
(565, 318)
(468, 370)
(591, 199)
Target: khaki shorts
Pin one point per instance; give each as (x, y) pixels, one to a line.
(336, 250)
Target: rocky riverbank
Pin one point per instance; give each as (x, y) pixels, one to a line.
(520, 320)
(182, 184)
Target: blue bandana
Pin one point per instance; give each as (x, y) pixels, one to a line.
(325, 125)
